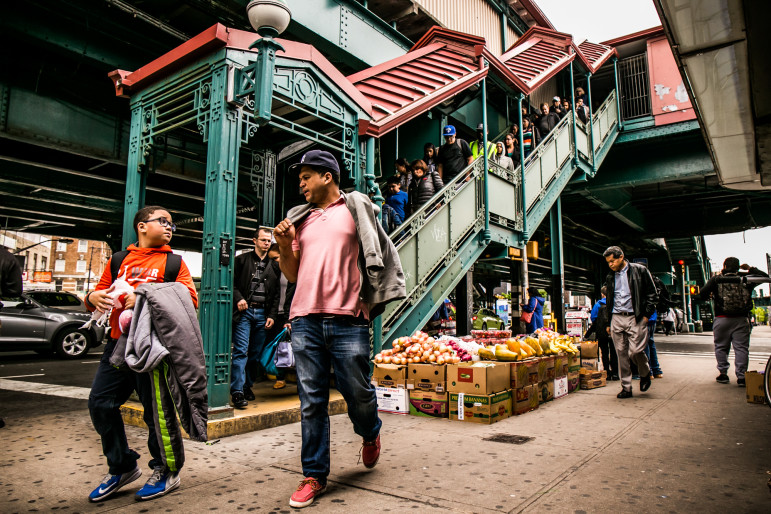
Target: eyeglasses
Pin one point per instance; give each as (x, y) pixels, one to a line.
(164, 223)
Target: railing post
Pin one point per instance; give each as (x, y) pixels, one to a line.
(371, 185)
(573, 104)
(522, 168)
(485, 178)
(591, 115)
(618, 93)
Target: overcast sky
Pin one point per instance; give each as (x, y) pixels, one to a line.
(600, 20)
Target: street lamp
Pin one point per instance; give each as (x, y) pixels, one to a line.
(65, 241)
(269, 18)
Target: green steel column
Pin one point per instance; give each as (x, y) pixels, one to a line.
(219, 228)
(503, 31)
(573, 104)
(688, 310)
(371, 185)
(136, 178)
(557, 265)
(522, 172)
(485, 162)
(591, 120)
(618, 93)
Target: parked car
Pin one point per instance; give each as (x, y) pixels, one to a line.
(47, 321)
(486, 319)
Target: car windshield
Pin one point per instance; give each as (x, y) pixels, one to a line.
(55, 299)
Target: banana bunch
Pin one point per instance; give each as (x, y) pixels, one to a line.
(566, 346)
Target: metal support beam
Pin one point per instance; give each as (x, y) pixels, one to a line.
(487, 235)
(573, 113)
(618, 94)
(464, 303)
(591, 120)
(557, 265)
(525, 235)
(371, 185)
(219, 228)
(136, 178)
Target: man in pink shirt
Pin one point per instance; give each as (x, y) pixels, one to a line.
(330, 322)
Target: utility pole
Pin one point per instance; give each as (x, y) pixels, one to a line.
(90, 260)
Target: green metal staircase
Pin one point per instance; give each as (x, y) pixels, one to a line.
(440, 242)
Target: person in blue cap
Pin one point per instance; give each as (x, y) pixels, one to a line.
(454, 155)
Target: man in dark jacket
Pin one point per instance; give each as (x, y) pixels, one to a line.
(547, 120)
(10, 275)
(599, 329)
(631, 301)
(733, 303)
(255, 295)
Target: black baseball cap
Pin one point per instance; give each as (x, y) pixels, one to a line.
(320, 158)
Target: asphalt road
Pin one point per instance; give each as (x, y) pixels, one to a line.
(49, 369)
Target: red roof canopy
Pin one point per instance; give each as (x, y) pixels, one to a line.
(538, 55)
(593, 56)
(439, 66)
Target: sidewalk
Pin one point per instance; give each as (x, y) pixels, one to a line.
(688, 444)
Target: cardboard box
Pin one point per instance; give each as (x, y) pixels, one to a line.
(561, 365)
(755, 388)
(588, 374)
(574, 362)
(560, 387)
(478, 378)
(592, 364)
(429, 404)
(546, 391)
(524, 373)
(574, 381)
(593, 384)
(524, 399)
(480, 408)
(427, 377)
(545, 368)
(590, 350)
(393, 400)
(389, 375)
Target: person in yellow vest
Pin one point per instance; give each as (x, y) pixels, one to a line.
(476, 146)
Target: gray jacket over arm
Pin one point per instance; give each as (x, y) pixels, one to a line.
(381, 270)
(165, 326)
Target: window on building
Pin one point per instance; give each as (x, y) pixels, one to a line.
(81, 267)
(61, 247)
(59, 265)
(43, 262)
(59, 284)
(80, 284)
(82, 246)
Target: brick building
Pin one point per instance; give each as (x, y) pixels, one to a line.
(77, 266)
(51, 264)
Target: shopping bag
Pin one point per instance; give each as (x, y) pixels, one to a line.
(284, 355)
(268, 354)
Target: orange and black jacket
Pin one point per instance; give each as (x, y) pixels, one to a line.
(142, 266)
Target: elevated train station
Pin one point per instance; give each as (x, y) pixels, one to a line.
(204, 116)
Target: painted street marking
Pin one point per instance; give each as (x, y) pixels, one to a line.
(22, 376)
(79, 393)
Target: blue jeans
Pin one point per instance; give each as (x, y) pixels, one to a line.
(318, 344)
(249, 336)
(650, 350)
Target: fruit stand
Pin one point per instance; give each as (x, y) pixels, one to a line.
(484, 377)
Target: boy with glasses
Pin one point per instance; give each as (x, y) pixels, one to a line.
(149, 260)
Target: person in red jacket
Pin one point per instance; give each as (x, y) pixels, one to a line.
(143, 262)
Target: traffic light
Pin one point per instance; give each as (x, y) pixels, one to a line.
(681, 262)
(694, 289)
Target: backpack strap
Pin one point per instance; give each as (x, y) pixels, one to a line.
(173, 264)
(115, 263)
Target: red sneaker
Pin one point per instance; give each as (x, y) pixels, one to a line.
(306, 492)
(370, 452)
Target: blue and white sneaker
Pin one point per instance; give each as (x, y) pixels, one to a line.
(160, 483)
(112, 483)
